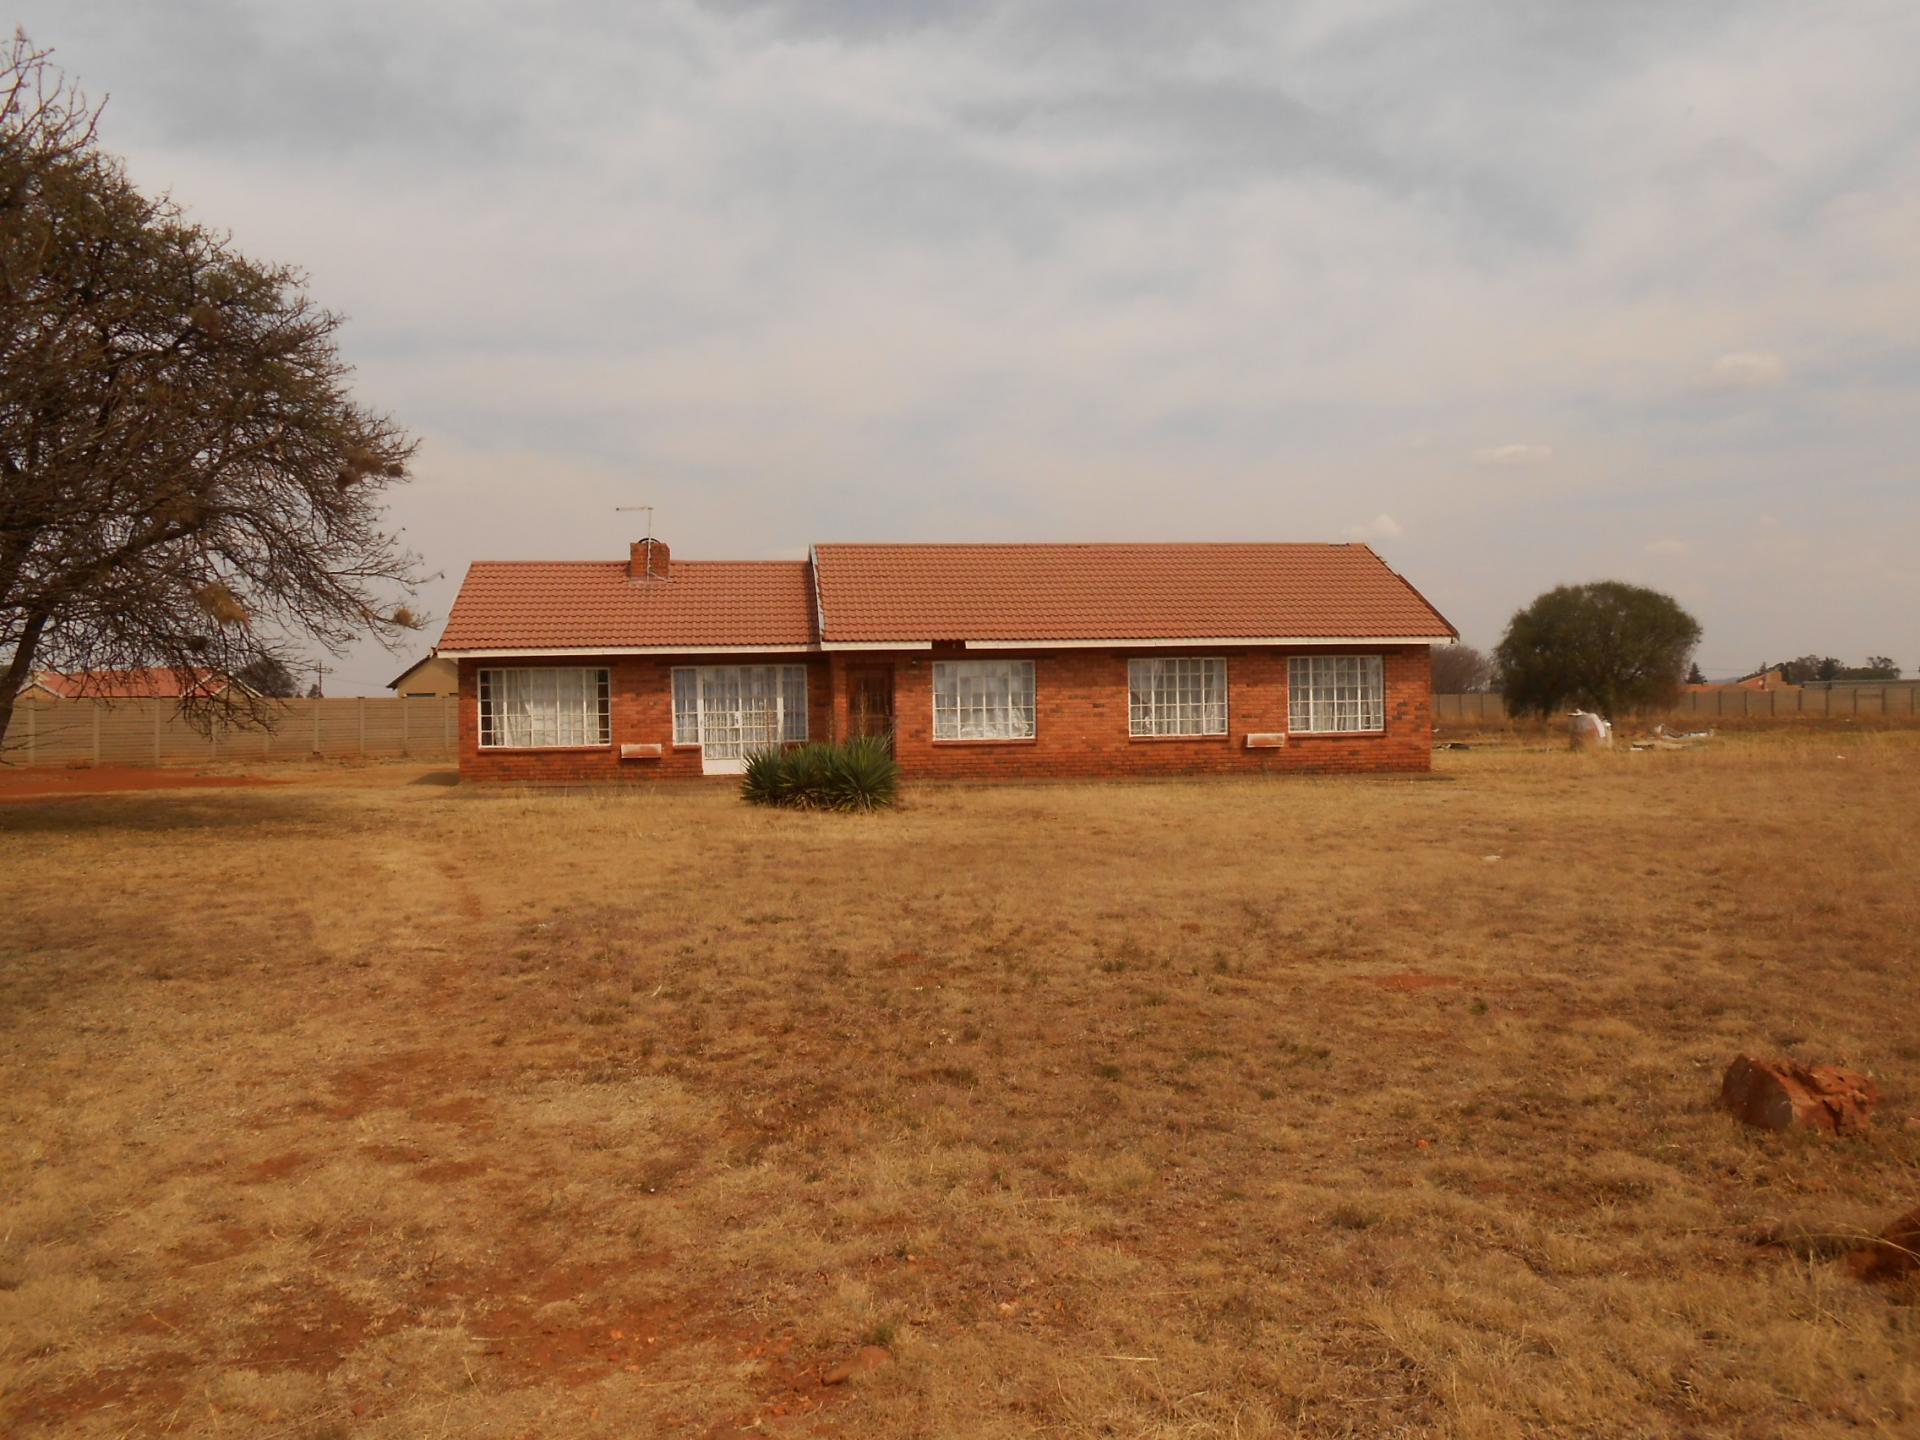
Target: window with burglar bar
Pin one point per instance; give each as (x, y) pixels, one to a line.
(731, 711)
(1177, 696)
(983, 700)
(544, 707)
(1329, 694)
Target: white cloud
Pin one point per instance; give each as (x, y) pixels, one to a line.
(1382, 527)
(1668, 549)
(1748, 370)
(1514, 455)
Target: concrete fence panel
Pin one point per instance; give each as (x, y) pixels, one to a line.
(152, 732)
(1867, 701)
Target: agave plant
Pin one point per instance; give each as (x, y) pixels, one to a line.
(857, 774)
(764, 781)
(861, 775)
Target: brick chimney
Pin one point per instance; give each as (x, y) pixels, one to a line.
(649, 559)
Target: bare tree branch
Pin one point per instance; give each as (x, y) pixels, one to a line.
(185, 479)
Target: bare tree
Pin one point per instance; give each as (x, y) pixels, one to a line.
(1460, 670)
(184, 478)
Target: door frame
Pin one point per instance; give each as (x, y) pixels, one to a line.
(867, 670)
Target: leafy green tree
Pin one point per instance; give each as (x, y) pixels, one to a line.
(1878, 667)
(1828, 667)
(1605, 646)
(1810, 667)
(185, 478)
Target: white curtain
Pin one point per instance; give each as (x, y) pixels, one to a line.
(1332, 693)
(983, 700)
(546, 706)
(733, 710)
(1179, 695)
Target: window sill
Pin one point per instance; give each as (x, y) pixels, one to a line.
(696, 749)
(1154, 739)
(1010, 740)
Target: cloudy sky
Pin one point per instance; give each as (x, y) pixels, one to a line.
(1518, 293)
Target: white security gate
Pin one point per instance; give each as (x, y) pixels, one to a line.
(731, 711)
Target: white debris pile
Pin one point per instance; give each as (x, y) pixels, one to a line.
(1665, 739)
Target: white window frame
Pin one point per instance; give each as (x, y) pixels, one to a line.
(984, 701)
(1184, 695)
(580, 697)
(784, 685)
(1336, 694)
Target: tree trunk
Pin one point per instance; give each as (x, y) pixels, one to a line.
(18, 673)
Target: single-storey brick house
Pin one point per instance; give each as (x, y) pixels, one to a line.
(979, 661)
(148, 682)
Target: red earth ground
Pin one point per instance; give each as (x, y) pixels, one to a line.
(21, 782)
(43, 784)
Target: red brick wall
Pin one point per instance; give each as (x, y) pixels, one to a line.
(641, 712)
(1080, 722)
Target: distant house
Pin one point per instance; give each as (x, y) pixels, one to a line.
(1771, 677)
(428, 678)
(149, 682)
(973, 661)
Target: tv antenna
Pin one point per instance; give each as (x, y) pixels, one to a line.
(625, 509)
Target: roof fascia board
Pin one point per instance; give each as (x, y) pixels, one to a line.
(1190, 640)
(1097, 643)
(537, 652)
(876, 645)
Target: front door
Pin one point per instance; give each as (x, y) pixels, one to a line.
(870, 701)
(739, 714)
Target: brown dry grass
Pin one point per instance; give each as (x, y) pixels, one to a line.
(1230, 1109)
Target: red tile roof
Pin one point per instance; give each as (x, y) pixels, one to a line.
(596, 605)
(152, 682)
(880, 593)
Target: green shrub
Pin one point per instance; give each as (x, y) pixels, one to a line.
(852, 775)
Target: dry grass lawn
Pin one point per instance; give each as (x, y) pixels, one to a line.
(1323, 1108)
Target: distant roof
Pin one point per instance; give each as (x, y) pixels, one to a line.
(152, 682)
(424, 660)
(594, 604)
(854, 595)
(882, 593)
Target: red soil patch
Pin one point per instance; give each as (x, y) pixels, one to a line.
(559, 1324)
(157, 1384)
(225, 1243)
(162, 1319)
(277, 1168)
(448, 1172)
(460, 1110)
(1412, 980)
(1895, 1255)
(395, 1154)
(113, 780)
(379, 1084)
(312, 1329)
